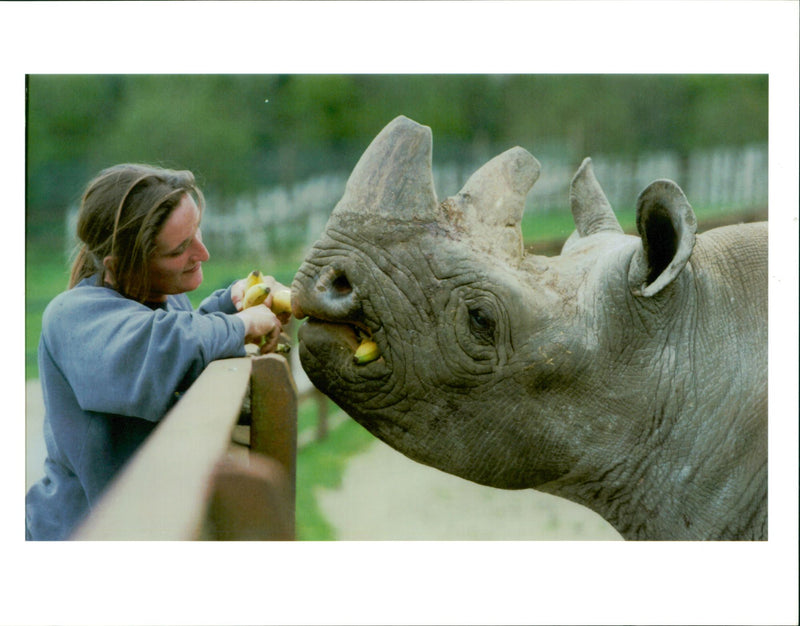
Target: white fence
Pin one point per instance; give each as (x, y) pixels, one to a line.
(730, 178)
(276, 220)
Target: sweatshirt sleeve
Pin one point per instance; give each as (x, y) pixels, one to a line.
(122, 357)
(219, 301)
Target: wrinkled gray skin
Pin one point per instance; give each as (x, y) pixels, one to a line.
(628, 374)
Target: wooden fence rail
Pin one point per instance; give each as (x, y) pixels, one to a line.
(204, 475)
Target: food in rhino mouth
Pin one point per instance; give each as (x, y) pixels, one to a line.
(282, 301)
(367, 351)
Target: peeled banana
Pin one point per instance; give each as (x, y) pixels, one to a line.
(255, 295)
(367, 351)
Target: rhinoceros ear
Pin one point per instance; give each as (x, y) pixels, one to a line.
(667, 225)
(489, 207)
(591, 210)
(393, 179)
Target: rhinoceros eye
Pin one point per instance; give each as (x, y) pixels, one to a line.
(481, 324)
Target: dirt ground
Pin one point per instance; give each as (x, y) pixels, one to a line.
(386, 496)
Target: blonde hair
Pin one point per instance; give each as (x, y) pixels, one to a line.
(122, 211)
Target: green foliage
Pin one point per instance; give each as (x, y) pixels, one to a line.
(239, 133)
(634, 113)
(45, 277)
(179, 122)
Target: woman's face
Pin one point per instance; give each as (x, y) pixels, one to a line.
(176, 266)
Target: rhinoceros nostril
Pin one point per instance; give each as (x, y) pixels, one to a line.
(341, 285)
(335, 297)
(334, 286)
(334, 283)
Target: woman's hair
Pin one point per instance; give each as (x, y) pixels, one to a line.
(121, 213)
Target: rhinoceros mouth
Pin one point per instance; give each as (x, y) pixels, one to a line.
(329, 349)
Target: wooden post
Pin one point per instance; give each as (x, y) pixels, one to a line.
(273, 405)
(321, 400)
(250, 501)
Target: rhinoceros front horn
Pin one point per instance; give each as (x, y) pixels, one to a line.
(393, 179)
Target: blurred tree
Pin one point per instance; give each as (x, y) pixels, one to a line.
(65, 116)
(196, 123)
(313, 115)
(241, 132)
(633, 113)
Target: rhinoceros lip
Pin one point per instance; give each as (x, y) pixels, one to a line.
(335, 343)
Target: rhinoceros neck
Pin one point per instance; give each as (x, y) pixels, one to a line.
(661, 499)
(686, 471)
(679, 445)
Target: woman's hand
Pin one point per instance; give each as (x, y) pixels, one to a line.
(260, 322)
(238, 290)
(237, 293)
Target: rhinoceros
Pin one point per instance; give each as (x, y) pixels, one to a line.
(627, 374)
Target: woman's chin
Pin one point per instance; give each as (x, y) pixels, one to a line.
(194, 278)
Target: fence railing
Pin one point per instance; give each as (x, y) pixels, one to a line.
(277, 220)
(221, 465)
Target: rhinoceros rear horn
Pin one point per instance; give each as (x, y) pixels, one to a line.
(667, 225)
(394, 177)
(591, 210)
(489, 207)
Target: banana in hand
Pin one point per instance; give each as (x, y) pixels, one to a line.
(255, 295)
(253, 278)
(281, 300)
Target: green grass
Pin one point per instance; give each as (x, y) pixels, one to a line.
(321, 465)
(558, 225)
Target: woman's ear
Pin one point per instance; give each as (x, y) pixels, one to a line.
(667, 225)
(110, 265)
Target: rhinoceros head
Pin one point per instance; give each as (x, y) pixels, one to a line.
(484, 351)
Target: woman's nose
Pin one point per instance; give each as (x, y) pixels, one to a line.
(199, 250)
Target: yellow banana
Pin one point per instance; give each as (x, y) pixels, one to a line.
(282, 301)
(367, 351)
(253, 278)
(255, 295)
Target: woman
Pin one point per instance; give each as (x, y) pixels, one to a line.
(123, 341)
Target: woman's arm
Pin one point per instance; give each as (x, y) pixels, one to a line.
(219, 301)
(122, 357)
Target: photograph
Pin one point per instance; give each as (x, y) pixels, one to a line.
(518, 321)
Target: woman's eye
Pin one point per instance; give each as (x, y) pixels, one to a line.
(178, 252)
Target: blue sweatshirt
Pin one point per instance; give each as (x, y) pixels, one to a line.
(110, 368)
